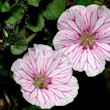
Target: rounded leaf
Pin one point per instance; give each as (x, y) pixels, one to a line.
(37, 26)
(54, 9)
(17, 13)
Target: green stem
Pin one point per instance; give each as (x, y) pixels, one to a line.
(15, 3)
(30, 37)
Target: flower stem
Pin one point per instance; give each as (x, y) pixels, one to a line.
(15, 3)
(30, 37)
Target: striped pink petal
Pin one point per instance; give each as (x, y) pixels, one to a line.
(60, 69)
(104, 49)
(65, 93)
(72, 19)
(40, 97)
(36, 58)
(103, 36)
(65, 39)
(42, 62)
(79, 19)
(90, 61)
(21, 77)
(97, 18)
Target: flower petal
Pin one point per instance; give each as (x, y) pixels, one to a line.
(98, 17)
(103, 35)
(104, 49)
(60, 69)
(40, 97)
(65, 38)
(36, 58)
(95, 62)
(89, 60)
(72, 19)
(21, 77)
(65, 93)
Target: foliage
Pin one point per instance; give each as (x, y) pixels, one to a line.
(54, 9)
(85, 2)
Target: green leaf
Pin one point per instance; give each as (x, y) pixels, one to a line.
(4, 7)
(34, 2)
(36, 25)
(20, 30)
(85, 2)
(32, 107)
(54, 9)
(17, 13)
(19, 46)
(18, 43)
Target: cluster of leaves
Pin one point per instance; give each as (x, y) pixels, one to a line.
(22, 15)
(22, 23)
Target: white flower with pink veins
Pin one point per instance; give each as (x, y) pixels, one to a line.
(84, 37)
(45, 77)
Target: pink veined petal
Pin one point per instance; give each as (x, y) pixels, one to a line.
(21, 77)
(27, 85)
(65, 38)
(40, 97)
(17, 65)
(65, 93)
(91, 61)
(97, 18)
(103, 35)
(95, 62)
(34, 60)
(72, 49)
(29, 62)
(19, 72)
(72, 19)
(60, 69)
(43, 54)
(104, 49)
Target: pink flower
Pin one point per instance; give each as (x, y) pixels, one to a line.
(84, 37)
(45, 77)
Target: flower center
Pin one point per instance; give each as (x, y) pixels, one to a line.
(41, 80)
(87, 39)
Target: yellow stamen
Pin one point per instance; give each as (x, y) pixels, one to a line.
(42, 79)
(87, 39)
